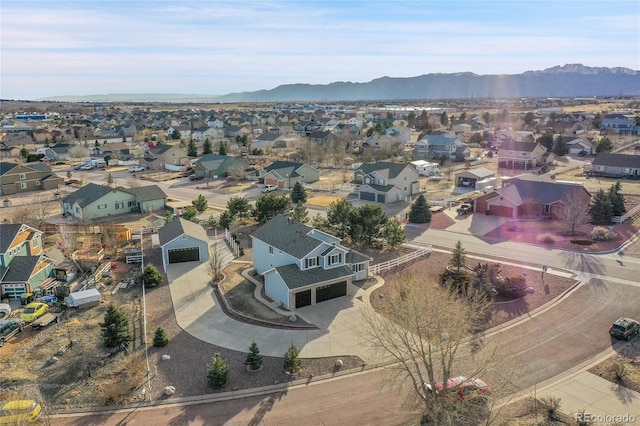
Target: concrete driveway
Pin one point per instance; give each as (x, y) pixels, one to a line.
(199, 314)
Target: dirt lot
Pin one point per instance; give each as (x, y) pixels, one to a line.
(629, 358)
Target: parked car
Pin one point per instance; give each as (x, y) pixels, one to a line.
(464, 209)
(194, 176)
(136, 169)
(269, 188)
(582, 153)
(461, 388)
(9, 328)
(33, 311)
(624, 328)
(5, 310)
(19, 412)
(86, 166)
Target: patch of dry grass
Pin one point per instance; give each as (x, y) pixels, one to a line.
(323, 200)
(239, 293)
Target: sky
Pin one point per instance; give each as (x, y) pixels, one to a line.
(54, 48)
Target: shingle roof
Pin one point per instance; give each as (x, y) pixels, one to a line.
(147, 193)
(287, 235)
(295, 278)
(180, 226)
(87, 194)
(617, 160)
(8, 232)
(20, 269)
(356, 257)
(518, 146)
(521, 191)
(160, 149)
(394, 168)
(6, 167)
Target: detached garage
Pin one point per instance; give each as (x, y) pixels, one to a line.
(183, 241)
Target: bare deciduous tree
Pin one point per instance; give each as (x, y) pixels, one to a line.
(67, 240)
(35, 213)
(575, 211)
(421, 330)
(215, 262)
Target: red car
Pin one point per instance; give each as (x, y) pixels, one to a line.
(461, 388)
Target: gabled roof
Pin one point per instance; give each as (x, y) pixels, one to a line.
(160, 149)
(20, 269)
(288, 236)
(8, 232)
(521, 191)
(268, 137)
(41, 167)
(87, 194)
(385, 168)
(294, 278)
(147, 193)
(518, 146)
(178, 227)
(276, 165)
(215, 161)
(6, 167)
(617, 160)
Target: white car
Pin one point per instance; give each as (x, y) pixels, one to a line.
(86, 166)
(136, 169)
(269, 188)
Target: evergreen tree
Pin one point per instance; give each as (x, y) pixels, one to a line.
(222, 149)
(254, 359)
(192, 150)
(394, 233)
(458, 257)
(299, 213)
(175, 135)
(604, 145)
(367, 224)
(226, 219)
(444, 118)
(292, 364)
(70, 173)
(200, 203)
(560, 146)
(168, 217)
(239, 207)
(151, 276)
(212, 222)
(601, 210)
(298, 193)
(339, 217)
(206, 147)
(270, 205)
(616, 199)
(189, 213)
(160, 338)
(218, 374)
(546, 140)
(115, 329)
(420, 211)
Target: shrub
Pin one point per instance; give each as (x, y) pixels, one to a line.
(601, 233)
(292, 363)
(545, 238)
(619, 371)
(150, 276)
(551, 404)
(254, 359)
(218, 375)
(511, 287)
(160, 338)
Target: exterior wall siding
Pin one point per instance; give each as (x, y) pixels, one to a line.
(275, 288)
(263, 260)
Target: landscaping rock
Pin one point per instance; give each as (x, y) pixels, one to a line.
(169, 390)
(166, 357)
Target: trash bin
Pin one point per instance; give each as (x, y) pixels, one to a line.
(27, 298)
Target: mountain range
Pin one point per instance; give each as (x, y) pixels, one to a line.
(571, 80)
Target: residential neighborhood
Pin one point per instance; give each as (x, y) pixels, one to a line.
(283, 224)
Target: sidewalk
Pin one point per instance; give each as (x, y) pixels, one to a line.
(604, 401)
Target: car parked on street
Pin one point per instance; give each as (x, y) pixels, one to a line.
(135, 169)
(460, 388)
(269, 188)
(33, 311)
(8, 328)
(20, 412)
(624, 328)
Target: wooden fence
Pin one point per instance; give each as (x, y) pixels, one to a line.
(385, 266)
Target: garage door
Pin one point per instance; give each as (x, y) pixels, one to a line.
(382, 198)
(501, 211)
(303, 298)
(13, 291)
(188, 254)
(369, 196)
(331, 291)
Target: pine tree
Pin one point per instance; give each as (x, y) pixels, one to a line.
(222, 149)
(616, 199)
(200, 203)
(160, 338)
(151, 276)
(298, 193)
(292, 363)
(206, 147)
(192, 150)
(601, 210)
(394, 233)
(299, 213)
(254, 359)
(218, 375)
(115, 329)
(458, 256)
(420, 211)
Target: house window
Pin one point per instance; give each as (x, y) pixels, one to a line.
(23, 185)
(101, 206)
(357, 267)
(131, 203)
(35, 243)
(118, 205)
(270, 250)
(184, 236)
(335, 258)
(524, 154)
(23, 176)
(311, 262)
(37, 183)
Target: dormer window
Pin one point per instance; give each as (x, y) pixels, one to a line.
(335, 258)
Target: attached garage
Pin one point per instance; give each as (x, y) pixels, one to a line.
(303, 298)
(381, 198)
(368, 196)
(187, 254)
(331, 291)
(501, 211)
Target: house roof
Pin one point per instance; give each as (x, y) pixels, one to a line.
(87, 194)
(215, 161)
(288, 236)
(394, 169)
(160, 149)
(41, 167)
(617, 160)
(356, 257)
(518, 146)
(480, 172)
(520, 191)
(178, 227)
(147, 193)
(295, 278)
(6, 167)
(380, 188)
(8, 232)
(20, 269)
(268, 137)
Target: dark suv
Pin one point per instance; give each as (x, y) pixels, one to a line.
(9, 328)
(624, 328)
(195, 177)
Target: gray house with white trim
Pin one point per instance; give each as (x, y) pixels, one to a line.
(183, 241)
(303, 266)
(385, 182)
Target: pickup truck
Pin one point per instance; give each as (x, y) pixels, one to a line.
(464, 209)
(45, 320)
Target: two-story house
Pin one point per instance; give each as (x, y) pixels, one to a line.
(438, 146)
(619, 124)
(207, 132)
(157, 157)
(16, 178)
(520, 155)
(285, 174)
(302, 266)
(95, 201)
(23, 267)
(385, 182)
